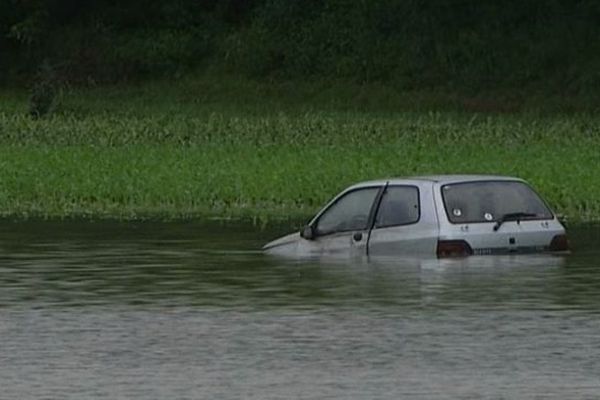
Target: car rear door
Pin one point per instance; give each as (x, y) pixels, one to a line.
(475, 212)
(512, 237)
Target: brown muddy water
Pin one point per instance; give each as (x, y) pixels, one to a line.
(107, 310)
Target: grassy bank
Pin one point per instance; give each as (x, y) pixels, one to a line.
(200, 150)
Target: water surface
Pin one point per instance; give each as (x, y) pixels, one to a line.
(188, 310)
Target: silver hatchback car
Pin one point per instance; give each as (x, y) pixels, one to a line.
(447, 216)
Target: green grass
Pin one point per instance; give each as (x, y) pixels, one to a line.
(160, 151)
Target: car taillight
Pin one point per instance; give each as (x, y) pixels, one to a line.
(559, 243)
(453, 248)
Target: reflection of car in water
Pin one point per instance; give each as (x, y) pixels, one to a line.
(426, 216)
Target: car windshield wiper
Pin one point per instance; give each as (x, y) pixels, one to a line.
(516, 216)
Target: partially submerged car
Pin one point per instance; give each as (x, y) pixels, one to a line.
(447, 216)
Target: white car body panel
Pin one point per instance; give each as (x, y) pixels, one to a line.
(421, 237)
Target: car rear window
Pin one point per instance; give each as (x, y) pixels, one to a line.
(488, 201)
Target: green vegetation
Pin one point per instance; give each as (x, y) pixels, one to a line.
(196, 149)
(467, 47)
(265, 108)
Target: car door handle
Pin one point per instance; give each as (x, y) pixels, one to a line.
(357, 236)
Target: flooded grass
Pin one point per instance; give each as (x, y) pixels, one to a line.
(100, 158)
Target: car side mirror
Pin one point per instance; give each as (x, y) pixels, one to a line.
(308, 232)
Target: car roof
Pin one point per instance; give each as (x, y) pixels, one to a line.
(442, 179)
(464, 178)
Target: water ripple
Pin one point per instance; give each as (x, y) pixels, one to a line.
(110, 310)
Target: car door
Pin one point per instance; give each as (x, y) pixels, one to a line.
(405, 222)
(496, 217)
(343, 227)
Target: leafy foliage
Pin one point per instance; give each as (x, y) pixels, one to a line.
(44, 92)
(472, 45)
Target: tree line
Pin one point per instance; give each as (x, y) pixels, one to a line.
(409, 43)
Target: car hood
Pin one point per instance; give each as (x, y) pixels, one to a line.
(287, 239)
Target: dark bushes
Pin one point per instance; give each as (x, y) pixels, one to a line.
(467, 44)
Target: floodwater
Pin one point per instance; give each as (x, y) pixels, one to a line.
(106, 310)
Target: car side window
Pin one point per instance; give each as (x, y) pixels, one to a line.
(349, 213)
(399, 206)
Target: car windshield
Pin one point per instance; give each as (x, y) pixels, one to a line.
(489, 201)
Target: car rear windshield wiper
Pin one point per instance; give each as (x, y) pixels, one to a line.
(516, 216)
